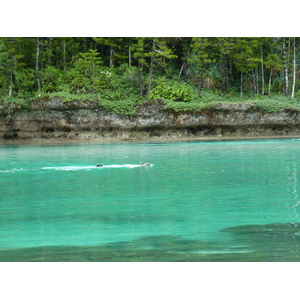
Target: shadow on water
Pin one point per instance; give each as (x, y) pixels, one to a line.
(275, 242)
(271, 242)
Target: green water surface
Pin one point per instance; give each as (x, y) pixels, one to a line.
(198, 201)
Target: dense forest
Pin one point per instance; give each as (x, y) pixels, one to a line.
(122, 72)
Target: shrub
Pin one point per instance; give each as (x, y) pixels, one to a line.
(172, 90)
(126, 107)
(50, 79)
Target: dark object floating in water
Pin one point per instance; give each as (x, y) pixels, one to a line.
(99, 165)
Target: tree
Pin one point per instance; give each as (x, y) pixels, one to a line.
(225, 46)
(37, 63)
(10, 61)
(51, 64)
(139, 54)
(116, 47)
(248, 55)
(200, 58)
(186, 46)
(152, 54)
(87, 64)
(285, 67)
(4, 61)
(273, 63)
(294, 68)
(158, 54)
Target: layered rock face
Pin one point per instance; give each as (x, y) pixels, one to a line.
(54, 119)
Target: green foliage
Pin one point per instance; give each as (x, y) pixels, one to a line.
(201, 55)
(51, 79)
(114, 89)
(246, 54)
(122, 95)
(24, 82)
(87, 73)
(127, 74)
(68, 97)
(273, 61)
(88, 63)
(161, 53)
(172, 90)
(275, 103)
(126, 107)
(139, 50)
(117, 72)
(209, 98)
(197, 104)
(212, 77)
(23, 102)
(116, 46)
(4, 55)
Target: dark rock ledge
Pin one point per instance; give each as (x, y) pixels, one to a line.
(57, 120)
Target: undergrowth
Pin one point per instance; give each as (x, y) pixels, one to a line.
(118, 91)
(127, 104)
(208, 98)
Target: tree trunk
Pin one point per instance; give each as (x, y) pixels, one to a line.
(64, 56)
(285, 68)
(270, 80)
(37, 64)
(150, 77)
(262, 71)
(256, 81)
(200, 80)
(224, 72)
(41, 65)
(294, 70)
(140, 67)
(253, 82)
(111, 56)
(164, 64)
(84, 45)
(129, 56)
(184, 66)
(181, 69)
(241, 88)
(10, 83)
(151, 68)
(49, 50)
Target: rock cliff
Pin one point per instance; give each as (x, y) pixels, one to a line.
(54, 119)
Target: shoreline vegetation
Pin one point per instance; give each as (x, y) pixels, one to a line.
(120, 75)
(189, 73)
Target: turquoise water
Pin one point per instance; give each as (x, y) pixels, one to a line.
(198, 201)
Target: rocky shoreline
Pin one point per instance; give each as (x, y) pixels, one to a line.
(55, 121)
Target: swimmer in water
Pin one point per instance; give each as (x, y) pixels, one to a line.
(144, 164)
(99, 165)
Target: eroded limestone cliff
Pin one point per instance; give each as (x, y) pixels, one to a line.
(54, 119)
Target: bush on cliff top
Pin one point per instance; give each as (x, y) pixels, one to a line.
(172, 90)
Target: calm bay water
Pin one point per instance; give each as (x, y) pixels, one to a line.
(198, 201)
